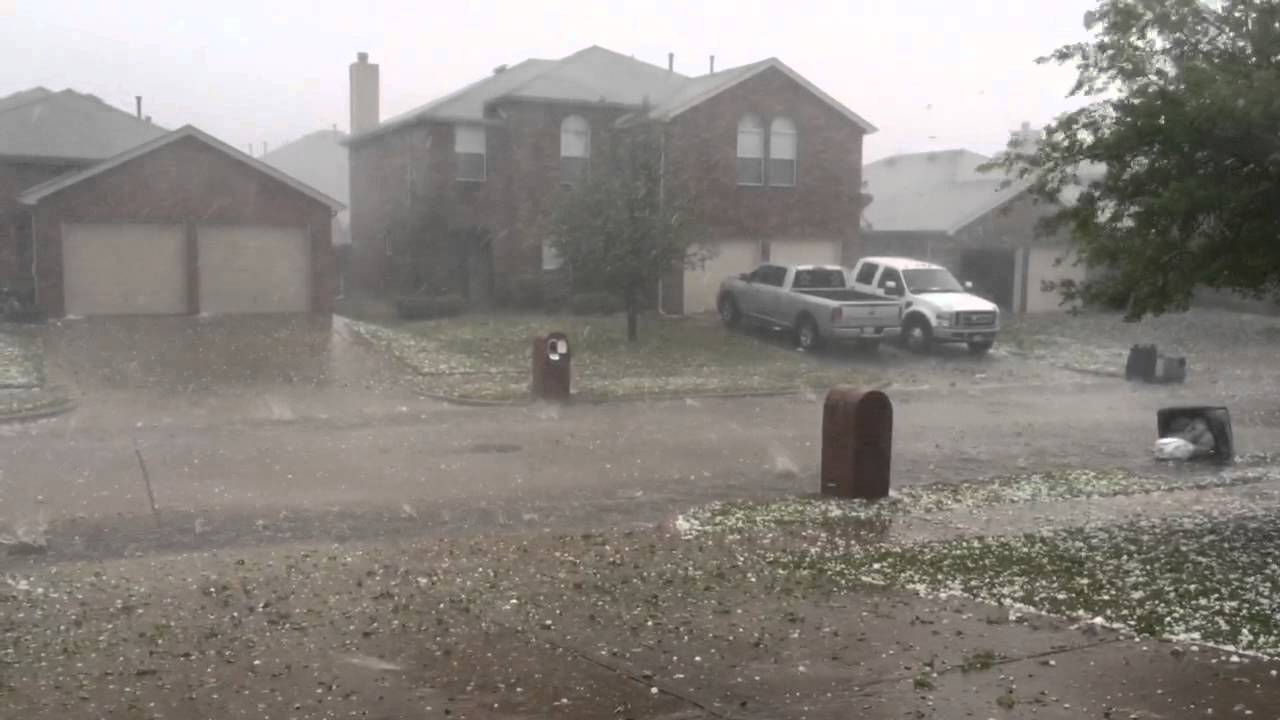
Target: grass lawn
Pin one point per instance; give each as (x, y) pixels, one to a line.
(486, 357)
(21, 365)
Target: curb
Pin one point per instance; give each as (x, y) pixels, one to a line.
(655, 397)
(48, 410)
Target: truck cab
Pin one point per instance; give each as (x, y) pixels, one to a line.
(936, 308)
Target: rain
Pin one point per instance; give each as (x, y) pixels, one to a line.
(525, 360)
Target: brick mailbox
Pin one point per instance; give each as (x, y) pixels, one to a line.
(857, 443)
(550, 379)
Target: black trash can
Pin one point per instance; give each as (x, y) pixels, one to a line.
(1216, 417)
(1142, 363)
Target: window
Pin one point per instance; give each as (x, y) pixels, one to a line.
(750, 151)
(551, 260)
(824, 278)
(867, 273)
(891, 276)
(769, 275)
(575, 149)
(469, 146)
(782, 153)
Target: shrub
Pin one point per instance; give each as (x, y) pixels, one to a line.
(594, 303)
(527, 293)
(426, 307)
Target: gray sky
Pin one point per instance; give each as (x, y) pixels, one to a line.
(931, 74)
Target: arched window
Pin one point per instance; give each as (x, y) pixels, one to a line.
(750, 151)
(575, 149)
(782, 152)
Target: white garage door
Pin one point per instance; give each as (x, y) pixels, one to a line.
(805, 252)
(110, 269)
(702, 285)
(253, 269)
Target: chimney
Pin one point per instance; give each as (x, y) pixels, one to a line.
(364, 94)
(713, 63)
(138, 102)
(671, 62)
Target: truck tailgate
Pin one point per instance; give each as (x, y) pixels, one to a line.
(868, 314)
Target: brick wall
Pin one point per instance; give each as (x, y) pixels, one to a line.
(15, 177)
(184, 182)
(826, 200)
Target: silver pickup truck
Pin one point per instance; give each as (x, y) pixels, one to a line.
(813, 302)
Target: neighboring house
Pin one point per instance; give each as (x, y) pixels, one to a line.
(107, 214)
(319, 159)
(44, 134)
(939, 206)
(451, 196)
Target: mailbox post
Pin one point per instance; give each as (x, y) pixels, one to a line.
(550, 375)
(857, 443)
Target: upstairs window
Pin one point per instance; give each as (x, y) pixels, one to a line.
(782, 153)
(575, 149)
(469, 147)
(750, 151)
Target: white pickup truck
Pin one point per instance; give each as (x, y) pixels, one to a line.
(936, 308)
(813, 302)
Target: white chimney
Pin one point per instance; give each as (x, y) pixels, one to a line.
(364, 94)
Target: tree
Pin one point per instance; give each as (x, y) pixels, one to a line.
(1183, 124)
(617, 231)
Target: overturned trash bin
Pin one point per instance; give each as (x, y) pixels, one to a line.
(550, 378)
(1195, 432)
(857, 443)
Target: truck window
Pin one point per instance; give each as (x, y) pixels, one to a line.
(818, 278)
(891, 275)
(866, 273)
(773, 275)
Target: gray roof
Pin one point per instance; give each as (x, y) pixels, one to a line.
(33, 195)
(696, 90)
(593, 75)
(933, 192)
(318, 159)
(68, 124)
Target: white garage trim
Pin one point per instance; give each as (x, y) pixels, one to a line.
(253, 269)
(124, 269)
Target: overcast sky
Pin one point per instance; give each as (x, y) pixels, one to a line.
(931, 74)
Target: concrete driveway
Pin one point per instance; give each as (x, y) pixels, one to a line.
(158, 370)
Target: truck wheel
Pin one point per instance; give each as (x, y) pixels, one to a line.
(980, 347)
(729, 314)
(918, 336)
(807, 335)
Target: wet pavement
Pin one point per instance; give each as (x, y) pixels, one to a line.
(316, 524)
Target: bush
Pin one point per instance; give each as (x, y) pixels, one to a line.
(426, 307)
(527, 293)
(594, 303)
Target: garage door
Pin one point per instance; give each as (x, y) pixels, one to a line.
(805, 252)
(253, 269)
(702, 285)
(110, 269)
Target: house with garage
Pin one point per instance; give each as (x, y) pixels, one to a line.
(451, 196)
(944, 207)
(169, 223)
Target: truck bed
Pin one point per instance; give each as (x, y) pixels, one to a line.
(840, 294)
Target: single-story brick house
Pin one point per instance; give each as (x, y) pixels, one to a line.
(182, 224)
(943, 207)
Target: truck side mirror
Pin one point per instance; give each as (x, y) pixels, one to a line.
(745, 277)
(968, 284)
(890, 285)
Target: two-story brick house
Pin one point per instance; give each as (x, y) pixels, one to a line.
(453, 195)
